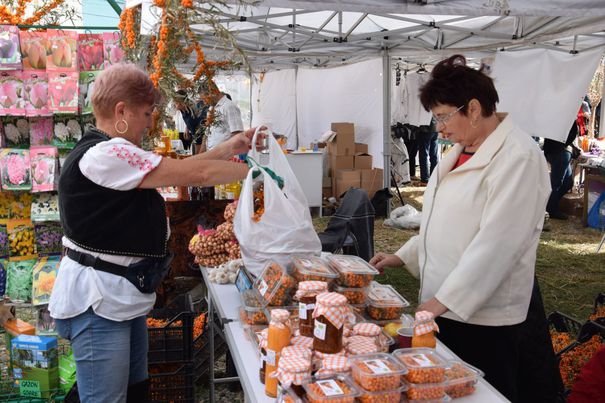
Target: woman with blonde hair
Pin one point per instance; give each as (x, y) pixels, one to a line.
(116, 233)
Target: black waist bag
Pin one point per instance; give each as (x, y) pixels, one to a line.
(145, 275)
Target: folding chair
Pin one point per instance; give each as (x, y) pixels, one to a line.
(351, 228)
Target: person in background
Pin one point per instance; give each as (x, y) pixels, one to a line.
(194, 115)
(228, 121)
(427, 144)
(475, 254)
(114, 220)
(559, 156)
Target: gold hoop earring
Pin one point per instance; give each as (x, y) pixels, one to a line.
(121, 131)
(474, 124)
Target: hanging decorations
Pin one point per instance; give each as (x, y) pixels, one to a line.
(14, 12)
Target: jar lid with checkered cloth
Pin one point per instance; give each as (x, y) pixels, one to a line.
(333, 364)
(332, 306)
(292, 370)
(366, 329)
(424, 323)
(279, 318)
(310, 289)
(302, 341)
(298, 351)
(358, 345)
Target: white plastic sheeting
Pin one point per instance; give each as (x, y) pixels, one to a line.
(542, 89)
(274, 103)
(350, 93)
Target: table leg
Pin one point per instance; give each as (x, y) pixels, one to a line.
(211, 328)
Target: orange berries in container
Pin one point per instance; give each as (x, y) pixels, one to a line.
(353, 270)
(355, 296)
(423, 365)
(383, 396)
(461, 378)
(426, 391)
(275, 286)
(334, 389)
(384, 303)
(377, 372)
(312, 268)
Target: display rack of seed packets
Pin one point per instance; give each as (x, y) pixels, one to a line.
(46, 83)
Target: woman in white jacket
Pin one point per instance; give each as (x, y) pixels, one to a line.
(481, 222)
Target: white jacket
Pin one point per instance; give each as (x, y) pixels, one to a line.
(481, 224)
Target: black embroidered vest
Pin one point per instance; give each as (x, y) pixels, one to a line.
(99, 219)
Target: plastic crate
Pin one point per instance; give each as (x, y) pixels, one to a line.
(564, 323)
(171, 383)
(599, 302)
(172, 343)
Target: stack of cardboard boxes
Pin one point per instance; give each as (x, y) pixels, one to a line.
(350, 164)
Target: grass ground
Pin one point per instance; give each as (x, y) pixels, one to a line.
(569, 270)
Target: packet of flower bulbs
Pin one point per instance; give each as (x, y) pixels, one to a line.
(45, 324)
(112, 51)
(11, 93)
(3, 264)
(16, 171)
(63, 92)
(16, 131)
(44, 167)
(4, 246)
(87, 122)
(61, 50)
(87, 84)
(20, 205)
(35, 93)
(41, 131)
(33, 50)
(10, 55)
(67, 131)
(44, 275)
(90, 52)
(45, 207)
(48, 237)
(21, 240)
(19, 280)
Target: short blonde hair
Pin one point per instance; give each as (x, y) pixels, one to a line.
(122, 82)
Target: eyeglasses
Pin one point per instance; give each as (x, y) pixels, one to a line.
(442, 120)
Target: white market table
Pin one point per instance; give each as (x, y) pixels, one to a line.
(225, 299)
(308, 169)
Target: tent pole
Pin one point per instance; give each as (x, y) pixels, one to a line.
(296, 106)
(602, 120)
(386, 118)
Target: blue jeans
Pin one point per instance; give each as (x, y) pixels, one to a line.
(427, 145)
(561, 178)
(109, 355)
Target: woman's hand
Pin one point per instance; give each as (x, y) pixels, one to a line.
(433, 305)
(382, 260)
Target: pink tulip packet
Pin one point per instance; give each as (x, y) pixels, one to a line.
(87, 84)
(33, 50)
(41, 131)
(63, 91)
(35, 87)
(90, 52)
(67, 131)
(10, 55)
(44, 168)
(16, 131)
(16, 169)
(112, 51)
(61, 52)
(11, 93)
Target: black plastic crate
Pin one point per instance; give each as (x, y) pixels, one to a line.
(598, 302)
(564, 323)
(172, 383)
(201, 352)
(172, 343)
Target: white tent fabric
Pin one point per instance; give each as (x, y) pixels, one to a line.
(350, 93)
(274, 103)
(542, 89)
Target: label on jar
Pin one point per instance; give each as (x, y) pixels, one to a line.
(319, 330)
(329, 387)
(422, 360)
(280, 393)
(302, 309)
(377, 366)
(263, 359)
(262, 287)
(270, 358)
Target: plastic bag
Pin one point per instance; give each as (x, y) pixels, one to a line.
(33, 50)
(405, 217)
(10, 55)
(285, 227)
(11, 93)
(35, 85)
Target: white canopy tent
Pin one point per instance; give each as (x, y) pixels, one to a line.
(318, 45)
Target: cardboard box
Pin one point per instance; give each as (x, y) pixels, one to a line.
(326, 182)
(348, 175)
(326, 192)
(35, 365)
(340, 162)
(372, 180)
(362, 161)
(361, 148)
(343, 143)
(343, 186)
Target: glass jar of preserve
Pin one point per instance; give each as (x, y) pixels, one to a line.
(306, 294)
(424, 330)
(291, 372)
(334, 364)
(330, 313)
(278, 338)
(262, 345)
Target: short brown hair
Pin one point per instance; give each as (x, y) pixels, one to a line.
(453, 83)
(122, 82)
